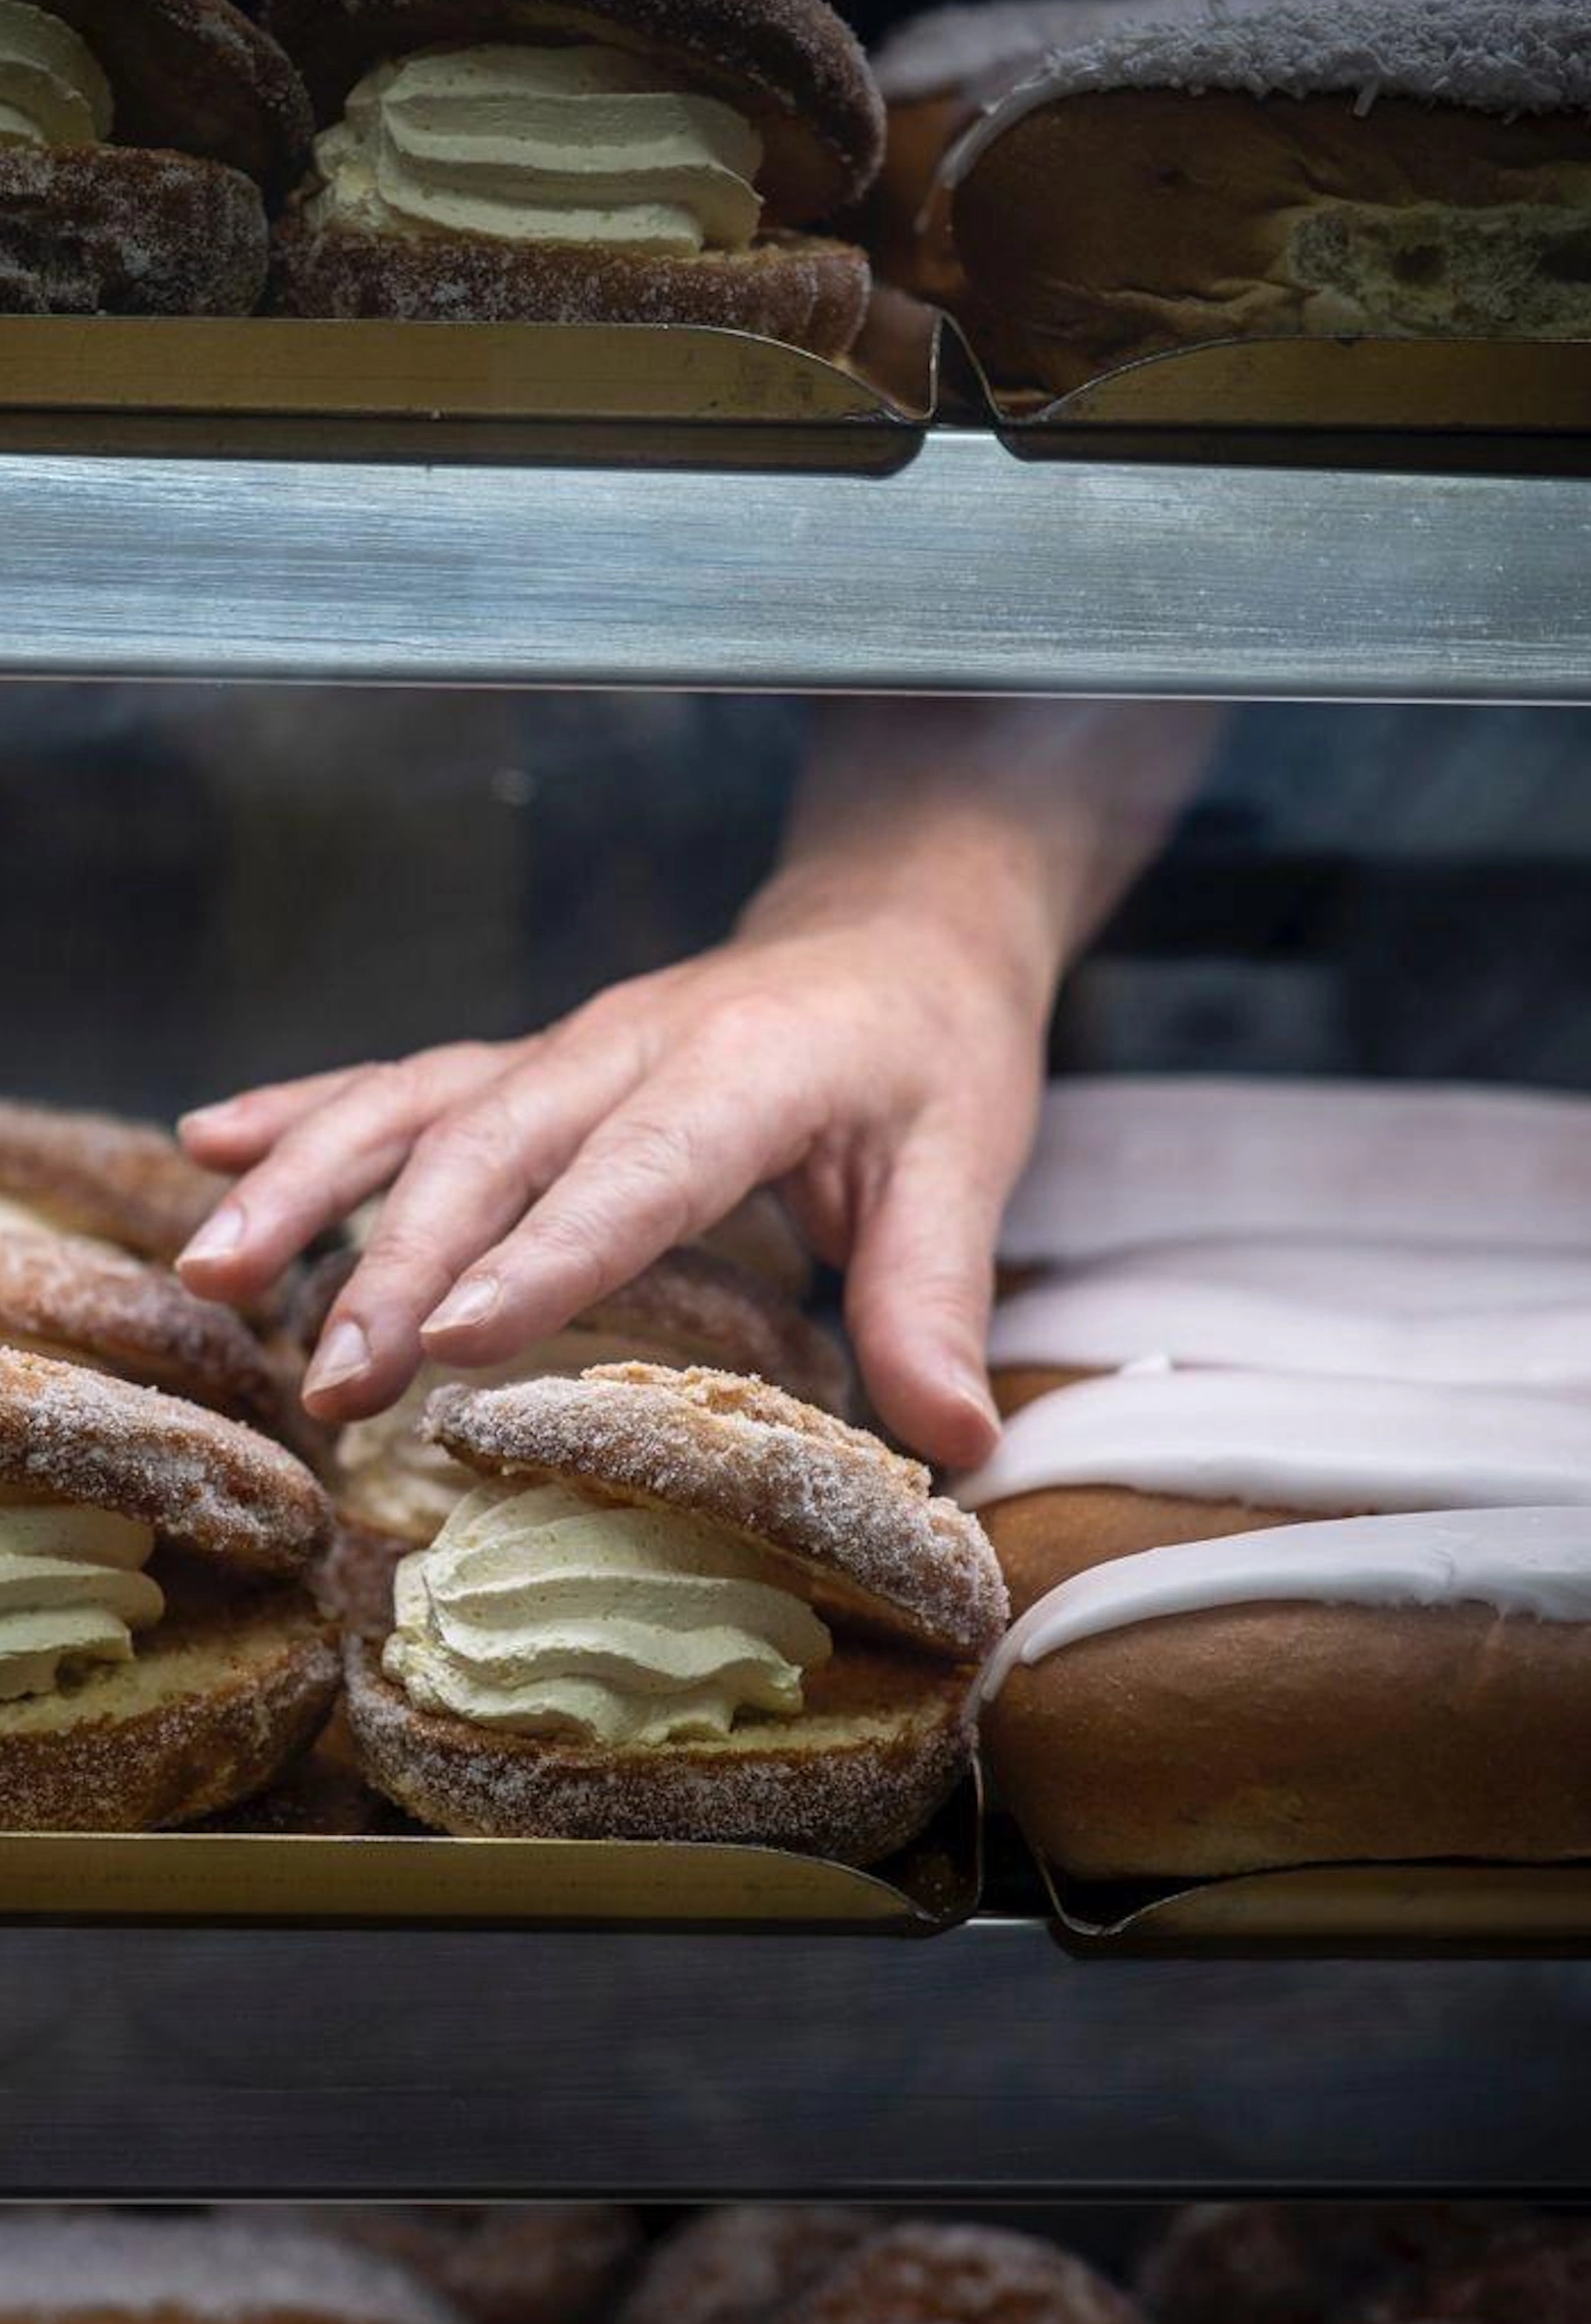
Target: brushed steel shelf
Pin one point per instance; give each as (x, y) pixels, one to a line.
(965, 570)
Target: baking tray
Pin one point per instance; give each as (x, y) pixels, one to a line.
(1464, 402)
(404, 1876)
(262, 384)
(1452, 1909)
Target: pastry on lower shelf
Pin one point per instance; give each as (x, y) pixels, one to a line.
(660, 168)
(1459, 1315)
(1304, 2263)
(134, 146)
(1130, 1159)
(1131, 1461)
(500, 2263)
(102, 2267)
(1540, 2271)
(740, 2263)
(1402, 172)
(1369, 1689)
(678, 1606)
(159, 1657)
(923, 2272)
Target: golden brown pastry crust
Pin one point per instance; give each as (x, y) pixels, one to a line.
(1114, 224)
(204, 1481)
(136, 1321)
(793, 65)
(96, 1173)
(1250, 1736)
(791, 1480)
(240, 1686)
(899, 1739)
(110, 230)
(924, 2272)
(808, 293)
(201, 77)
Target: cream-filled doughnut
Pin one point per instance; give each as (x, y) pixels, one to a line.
(1372, 1688)
(1467, 1315)
(1165, 1158)
(1419, 170)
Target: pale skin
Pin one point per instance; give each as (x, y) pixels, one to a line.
(870, 1040)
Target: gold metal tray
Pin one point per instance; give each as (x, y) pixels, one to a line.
(415, 1877)
(1448, 1908)
(480, 388)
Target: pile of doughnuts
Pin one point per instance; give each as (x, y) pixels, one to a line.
(1144, 179)
(647, 1582)
(1295, 1496)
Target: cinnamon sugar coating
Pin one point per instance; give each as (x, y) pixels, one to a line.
(500, 2263)
(780, 1473)
(129, 1181)
(691, 1301)
(805, 291)
(740, 2263)
(883, 1744)
(206, 1482)
(136, 1320)
(925, 2272)
(793, 65)
(107, 229)
(201, 77)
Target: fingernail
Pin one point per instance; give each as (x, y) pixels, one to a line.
(205, 1117)
(342, 1355)
(219, 1236)
(975, 1393)
(466, 1304)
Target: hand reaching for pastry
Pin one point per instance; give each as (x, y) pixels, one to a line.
(871, 1040)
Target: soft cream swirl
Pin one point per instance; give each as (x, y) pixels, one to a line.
(516, 144)
(52, 91)
(544, 1612)
(71, 1591)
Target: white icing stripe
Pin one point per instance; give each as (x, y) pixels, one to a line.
(1502, 1318)
(1334, 1446)
(1134, 1160)
(1520, 1561)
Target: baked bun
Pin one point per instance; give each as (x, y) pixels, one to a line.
(1379, 1689)
(760, 1237)
(926, 2273)
(788, 71)
(499, 2263)
(232, 1673)
(1304, 2263)
(880, 1731)
(1540, 2271)
(792, 66)
(114, 230)
(741, 2263)
(1413, 171)
(100, 2267)
(127, 1183)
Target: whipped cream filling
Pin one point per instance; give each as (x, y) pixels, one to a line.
(523, 144)
(52, 91)
(73, 1591)
(542, 1611)
(1534, 1562)
(398, 1481)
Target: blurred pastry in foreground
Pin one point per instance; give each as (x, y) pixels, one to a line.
(159, 1658)
(499, 2263)
(124, 1182)
(482, 160)
(70, 2266)
(1368, 1690)
(1410, 171)
(683, 1606)
(135, 146)
(742, 2262)
(926, 2273)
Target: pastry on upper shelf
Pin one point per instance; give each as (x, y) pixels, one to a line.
(677, 1606)
(139, 140)
(1409, 171)
(68, 2266)
(159, 1657)
(509, 161)
(932, 2272)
